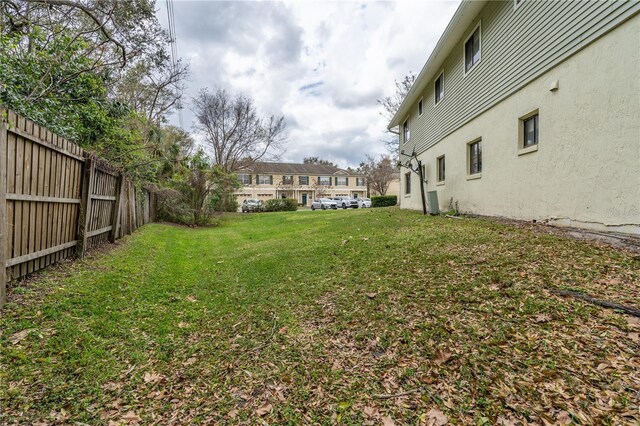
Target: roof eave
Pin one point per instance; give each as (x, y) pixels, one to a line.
(461, 20)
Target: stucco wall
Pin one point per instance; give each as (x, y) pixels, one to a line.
(586, 171)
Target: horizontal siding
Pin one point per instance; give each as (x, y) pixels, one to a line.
(517, 47)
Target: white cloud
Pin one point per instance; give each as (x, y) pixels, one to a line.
(320, 64)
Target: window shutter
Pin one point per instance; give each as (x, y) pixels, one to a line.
(258, 179)
(250, 179)
(284, 180)
(347, 180)
(318, 181)
(271, 180)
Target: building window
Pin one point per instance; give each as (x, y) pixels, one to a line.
(441, 169)
(303, 180)
(439, 88)
(420, 107)
(472, 48)
(407, 183)
(530, 134)
(244, 179)
(360, 181)
(342, 181)
(265, 179)
(405, 131)
(324, 180)
(287, 180)
(475, 157)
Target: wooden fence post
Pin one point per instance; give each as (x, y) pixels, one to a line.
(115, 216)
(3, 212)
(85, 206)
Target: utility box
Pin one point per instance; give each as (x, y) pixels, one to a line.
(432, 199)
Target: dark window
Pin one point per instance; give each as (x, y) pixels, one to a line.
(342, 181)
(441, 169)
(287, 180)
(439, 89)
(405, 131)
(472, 50)
(530, 131)
(407, 183)
(265, 179)
(359, 181)
(475, 158)
(303, 180)
(420, 107)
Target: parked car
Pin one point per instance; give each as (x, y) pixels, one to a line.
(323, 203)
(251, 205)
(345, 202)
(364, 202)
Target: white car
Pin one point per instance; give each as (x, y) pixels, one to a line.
(323, 203)
(364, 203)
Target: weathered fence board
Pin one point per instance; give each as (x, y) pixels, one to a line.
(56, 200)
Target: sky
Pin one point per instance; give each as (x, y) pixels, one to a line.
(321, 65)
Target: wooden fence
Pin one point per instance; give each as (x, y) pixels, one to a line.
(57, 200)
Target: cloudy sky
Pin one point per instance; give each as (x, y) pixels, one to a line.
(320, 64)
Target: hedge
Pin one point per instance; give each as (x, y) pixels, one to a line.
(281, 205)
(384, 201)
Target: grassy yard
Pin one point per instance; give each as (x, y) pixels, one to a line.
(372, 316)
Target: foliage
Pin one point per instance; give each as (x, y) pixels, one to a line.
(281, 205)
(96, 72)
(379, 173)
(316, 160)
(234, 133)
(195, 192)
(384, 201)
(357, 315)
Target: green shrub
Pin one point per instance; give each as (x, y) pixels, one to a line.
(281, 205)
(384, 201)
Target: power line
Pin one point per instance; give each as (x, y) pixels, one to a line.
(174, 45)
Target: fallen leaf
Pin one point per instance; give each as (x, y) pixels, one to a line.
(191, 299)
(504, 421)
(370, 411)
(436, 417)
(543, 318)
(442, 356)
(131, 417)
(344, 242)
(372, 295)
(387, 421)
(183, 324)
(634, 322)
(635, 337)
(111, 386)
(283, 330)
(189, 361)
(20, 335)
(264, 409)
(232, 414)
(152, 377)
(564, 418)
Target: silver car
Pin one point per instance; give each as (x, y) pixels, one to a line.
(323, 204)
(364, 203)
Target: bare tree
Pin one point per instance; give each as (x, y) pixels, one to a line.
(390, 105)
(236, 135)
(317, 160)
(379, 173)
(319, 188)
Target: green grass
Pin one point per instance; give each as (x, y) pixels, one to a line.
(320, 317)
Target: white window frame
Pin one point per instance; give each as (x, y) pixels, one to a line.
(260, 177)
(444, 162)
(360, 181)
(464, 50)
(407, 184)
(420, 108)
(320, 178)
(477, 174)
(300, 180)
(346, 180)
(407, 132)
(531, 148)
(441, 74)
(242, 181)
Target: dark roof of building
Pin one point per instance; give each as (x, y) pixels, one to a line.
(298, 169)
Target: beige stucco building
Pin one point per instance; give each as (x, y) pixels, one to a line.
(303, 182)
(530, 110)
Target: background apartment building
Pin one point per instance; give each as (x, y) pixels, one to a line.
(303, 182)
